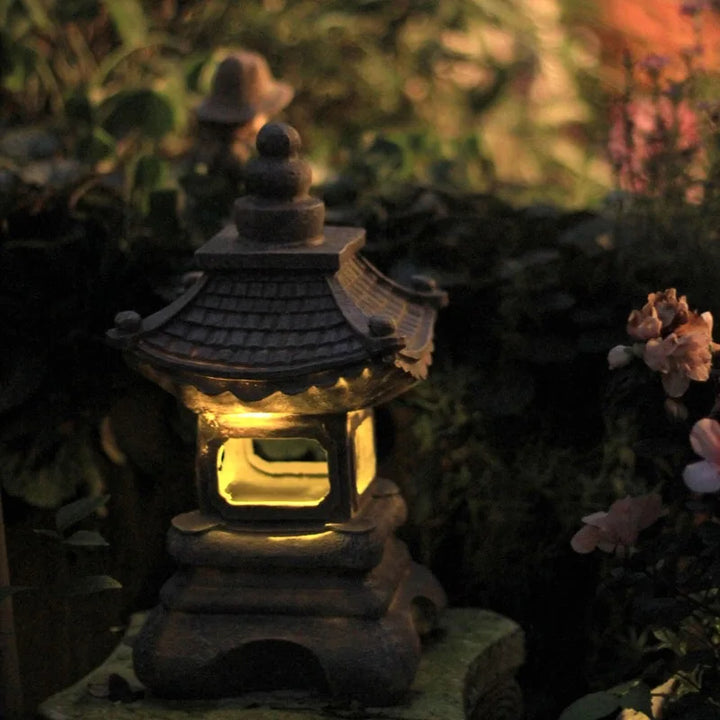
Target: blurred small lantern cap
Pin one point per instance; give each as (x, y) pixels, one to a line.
(242, 88)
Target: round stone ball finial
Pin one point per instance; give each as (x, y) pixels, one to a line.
(278, 208)
(278, 140)
(279, 173)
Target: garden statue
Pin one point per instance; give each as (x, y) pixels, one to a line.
(290, 573)
(244, 96)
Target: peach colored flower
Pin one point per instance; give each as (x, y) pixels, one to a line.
(670, 309)
(704, 476)
(619, 527)
(683, 355)
(662, 311)
(644, 324)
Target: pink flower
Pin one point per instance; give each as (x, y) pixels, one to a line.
(645, 130)
(654, 63)
(704, 476)
(618, 528)
(683, 355)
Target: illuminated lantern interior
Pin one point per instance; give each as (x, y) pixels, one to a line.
(364, 451)
(272, 471)
(288, 470)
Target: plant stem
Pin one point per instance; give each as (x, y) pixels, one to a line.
(11, 694)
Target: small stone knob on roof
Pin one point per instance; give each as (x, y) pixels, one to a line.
(128, 321)
(381, 326)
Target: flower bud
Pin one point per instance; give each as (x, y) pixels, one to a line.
(620, 356)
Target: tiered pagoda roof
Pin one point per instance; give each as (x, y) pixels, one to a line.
(284, 303)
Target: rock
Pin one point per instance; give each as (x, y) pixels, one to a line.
(467, 671)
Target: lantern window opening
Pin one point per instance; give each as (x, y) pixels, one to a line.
(363, 444)
(287, 471)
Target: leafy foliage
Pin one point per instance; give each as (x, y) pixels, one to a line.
(103, 67)
(67, 517)
(518, 432)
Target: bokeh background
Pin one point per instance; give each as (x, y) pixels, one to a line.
(473, 139)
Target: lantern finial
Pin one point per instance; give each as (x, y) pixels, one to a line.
(278, 208)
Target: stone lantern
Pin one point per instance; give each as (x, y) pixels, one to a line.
(290, 575)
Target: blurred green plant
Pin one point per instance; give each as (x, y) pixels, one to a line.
(118, 80)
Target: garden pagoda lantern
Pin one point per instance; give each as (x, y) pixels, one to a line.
(290, 575)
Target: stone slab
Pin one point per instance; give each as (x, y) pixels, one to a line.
(464, 668)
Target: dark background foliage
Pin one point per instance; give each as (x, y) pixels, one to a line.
(519, 431)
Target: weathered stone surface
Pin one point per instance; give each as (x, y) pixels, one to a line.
(469, 664)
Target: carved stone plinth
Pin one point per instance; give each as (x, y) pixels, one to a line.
(339, 610)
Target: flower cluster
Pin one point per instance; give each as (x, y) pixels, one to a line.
(645, 132)
(669, 580)
(672, 340)
(617, 529)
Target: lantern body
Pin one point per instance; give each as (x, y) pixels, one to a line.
(289, 571)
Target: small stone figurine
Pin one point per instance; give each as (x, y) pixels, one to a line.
(243, 98)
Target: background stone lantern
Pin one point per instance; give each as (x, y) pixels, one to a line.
(289, 571)
(243, 98)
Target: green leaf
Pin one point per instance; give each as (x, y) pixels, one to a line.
(74, 10)
(48, 533)
(129, 20)
(591, 707)
(38, 14)
(149, 172)
(72, 513)
(142, 110)
(95, 146)
(637, 696)
(86, 538)
(89, 584)
(78, 108)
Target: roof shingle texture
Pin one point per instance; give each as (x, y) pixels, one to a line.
(254, 324)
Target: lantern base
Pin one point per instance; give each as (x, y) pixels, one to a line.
(182, 654)
(338, 609)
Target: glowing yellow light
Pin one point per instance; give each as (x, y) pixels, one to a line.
(365, 463)
(310, 537)
(230, 422)
(245, 477)
(371, 385)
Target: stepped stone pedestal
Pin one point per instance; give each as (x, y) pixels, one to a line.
(467, 670)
